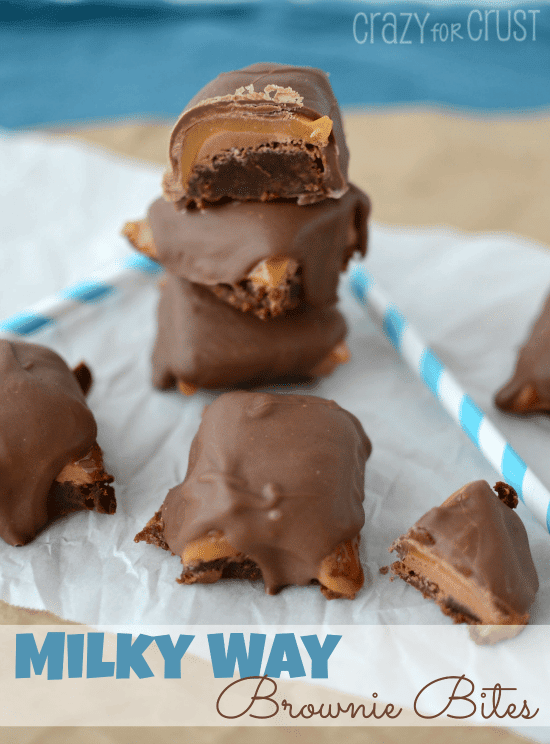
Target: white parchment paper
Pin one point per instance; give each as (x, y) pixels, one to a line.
(473, 297)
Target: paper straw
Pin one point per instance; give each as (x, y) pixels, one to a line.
(103, 284)
(452, 397)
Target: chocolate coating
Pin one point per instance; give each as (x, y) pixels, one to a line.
(529, 389)
(476, 544)
(45, 425)
(266, 166)
(203, 341)
(222, 244)
(281, 476)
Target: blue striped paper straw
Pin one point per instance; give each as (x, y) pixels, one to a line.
(103, 284)
(456, 402)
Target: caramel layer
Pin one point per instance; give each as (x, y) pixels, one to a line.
(208, 548)
(273, 271)
(140, 236)
(83, 471)
(341, 572)
(294, 127)
(186, 388)
(453, 589)
(339, 355)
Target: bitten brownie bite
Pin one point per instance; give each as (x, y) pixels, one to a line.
(529, 389)
(274, 490)
(260, 257)
(204, 343)
(471, 555)
(265, 132)
(50, 462)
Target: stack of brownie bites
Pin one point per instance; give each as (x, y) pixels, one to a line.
(256, 223)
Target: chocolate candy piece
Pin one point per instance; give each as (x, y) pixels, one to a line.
(280, 498)
(50, 463)
(204, 342)
(271, 288)
(261, 133)
(263, 257)
(471, 555)
(529, 389)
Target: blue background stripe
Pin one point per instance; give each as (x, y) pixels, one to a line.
(470, 418)
(394, 325)
(513, 469)
(431, 370)
(68, 61)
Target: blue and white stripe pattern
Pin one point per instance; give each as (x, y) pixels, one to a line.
(105, 283)
(456, 402)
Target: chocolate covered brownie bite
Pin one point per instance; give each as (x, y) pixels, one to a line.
(50, 462)
(471, 556)
(529, 389)
(263, 258)
(274, 490)
(265, 132)
(204, 343)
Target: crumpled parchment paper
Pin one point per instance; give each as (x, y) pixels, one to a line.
(473, 298)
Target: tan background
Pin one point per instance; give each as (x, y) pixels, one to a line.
(420, 167)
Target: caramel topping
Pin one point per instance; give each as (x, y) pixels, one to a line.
(321, 130)
(141, 237)
(273, 272)
(339, 355)
(293, 127)
(187, 388)
(84, 470)
(341, 572)
(211, 547)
